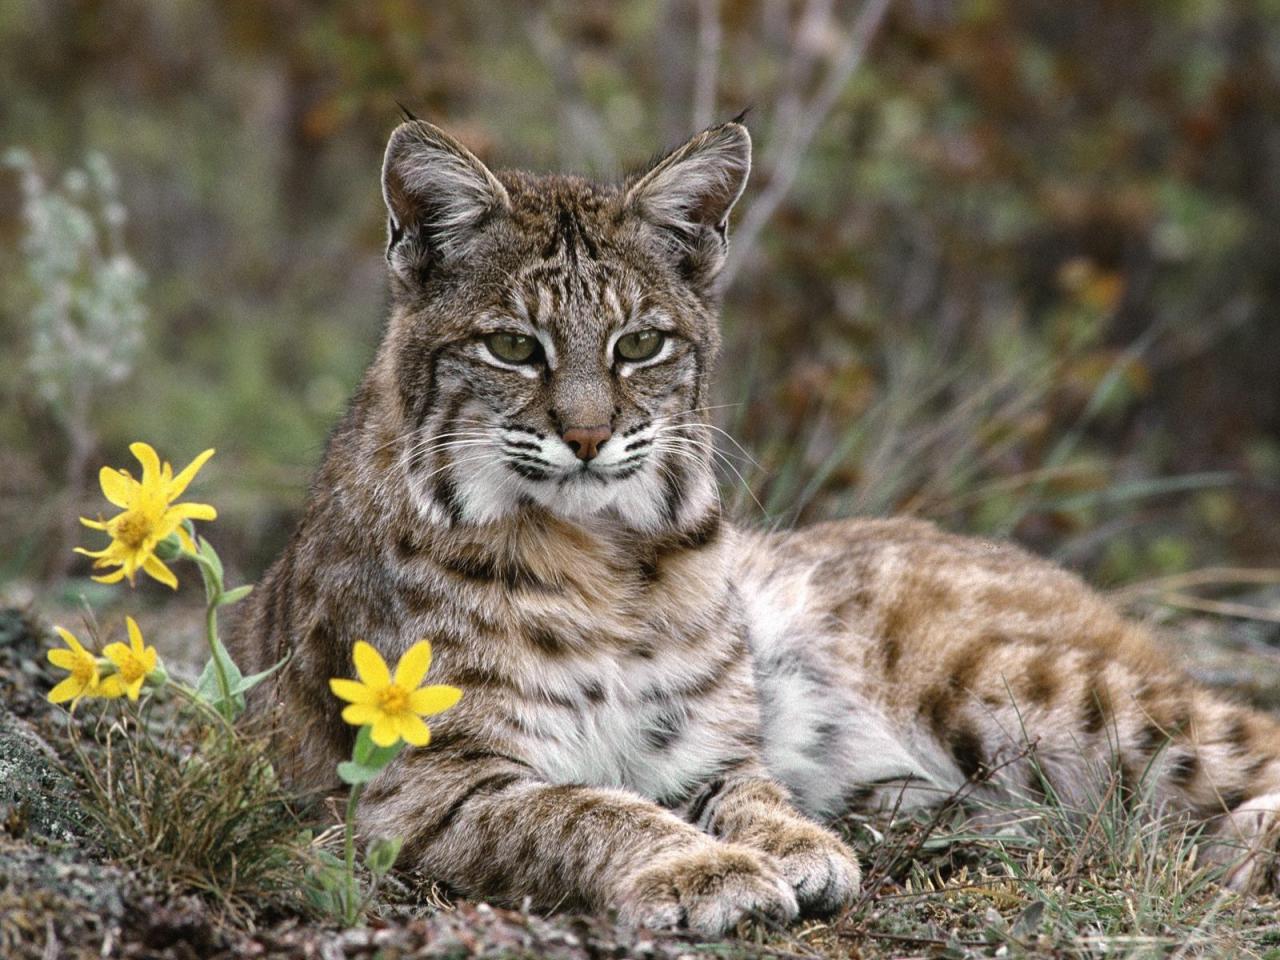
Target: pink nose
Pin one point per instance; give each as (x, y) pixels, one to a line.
(585, 442)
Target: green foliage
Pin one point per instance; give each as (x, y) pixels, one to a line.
(221, 684)
(86, 315)
(332, 884)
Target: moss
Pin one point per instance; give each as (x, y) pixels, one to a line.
(35, 796)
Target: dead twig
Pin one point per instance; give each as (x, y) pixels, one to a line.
(790, 149)
(707, 63)
(1224, 608)
(1208, 576)
(586, 136)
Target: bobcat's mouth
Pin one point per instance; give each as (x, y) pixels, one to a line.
(540, 459)
(584, 474)
(539, 470)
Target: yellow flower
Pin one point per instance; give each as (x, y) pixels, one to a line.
(150, 516)
(83, 667)
(394, 707)
(133, 662)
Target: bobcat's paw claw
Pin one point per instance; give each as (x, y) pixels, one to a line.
(709, 889)
(821, 869)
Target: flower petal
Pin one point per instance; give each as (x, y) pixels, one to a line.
(180, 482)
(110, 688)
(359, 714)
(134, 688)
(135, 635)
(93, 524)
(413, 666)
(66, 690)
(70, 640)
(62, 659)
(184, 538)
(118, 487)
(384, 732)
(156, 568)
(114, 577)
(117, 653)
(351, 690)
(370, 666)
(412, 730)
(150, 461)
(433, 699)
(192, 511)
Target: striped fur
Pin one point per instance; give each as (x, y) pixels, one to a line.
(661, 710)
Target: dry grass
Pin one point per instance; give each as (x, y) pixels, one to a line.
(190, 807)
(1111, 877)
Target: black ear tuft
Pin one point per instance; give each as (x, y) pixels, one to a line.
(438, 194)
(687, 197)
(405, 111)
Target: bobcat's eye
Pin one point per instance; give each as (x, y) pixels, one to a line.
(641, 345)
(512, 347)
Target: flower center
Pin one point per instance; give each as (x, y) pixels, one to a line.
(82, 669)
(393, 699)
(131, 667)
(132, 529)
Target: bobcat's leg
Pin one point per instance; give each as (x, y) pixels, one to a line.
(485, 825)
(751, 808)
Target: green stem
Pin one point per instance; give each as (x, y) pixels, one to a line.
(213, 593)
(352, 903)
(211, 631)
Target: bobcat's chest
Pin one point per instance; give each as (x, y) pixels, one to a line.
(622, 722)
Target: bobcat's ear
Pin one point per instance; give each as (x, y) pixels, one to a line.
(688, 195)
(437, 194)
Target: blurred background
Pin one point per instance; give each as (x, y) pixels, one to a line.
(1013, 265)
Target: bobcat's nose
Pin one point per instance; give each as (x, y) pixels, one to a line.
(585, 442)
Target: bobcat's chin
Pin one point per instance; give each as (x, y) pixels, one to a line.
(585, 493)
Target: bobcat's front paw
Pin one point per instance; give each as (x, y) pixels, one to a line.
(823, 871)
(709, 889)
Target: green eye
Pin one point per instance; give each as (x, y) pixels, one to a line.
(641, 345)
(512, 347)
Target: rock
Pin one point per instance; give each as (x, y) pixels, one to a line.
(35, 796)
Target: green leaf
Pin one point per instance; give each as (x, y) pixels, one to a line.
(235, 596)
(349, 771)
(207, 686)
(245, 684)
(369, 754)
(367, 758)
(331, 861)
(382, 853)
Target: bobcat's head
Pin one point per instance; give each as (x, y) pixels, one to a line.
(551, 339)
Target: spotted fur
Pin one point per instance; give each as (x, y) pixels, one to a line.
(662, 710)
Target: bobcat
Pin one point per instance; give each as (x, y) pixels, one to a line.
(661, 710)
